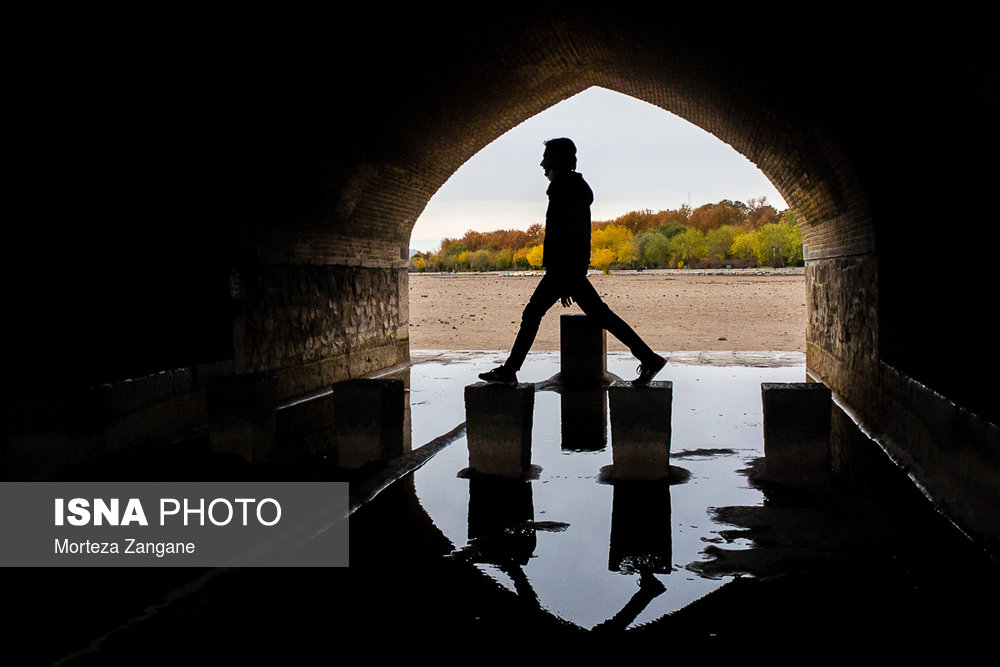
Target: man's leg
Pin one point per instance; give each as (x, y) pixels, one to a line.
(544, 297)
(591, 304)
(650, 363)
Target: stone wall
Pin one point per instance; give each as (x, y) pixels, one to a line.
(313, 325)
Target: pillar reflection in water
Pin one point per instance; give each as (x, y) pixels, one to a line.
(502, 528)
(584, 419)
(640, 543)
(640, 527)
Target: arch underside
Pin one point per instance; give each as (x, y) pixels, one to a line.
(277, 202)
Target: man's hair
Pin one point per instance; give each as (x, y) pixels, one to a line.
(564, 150)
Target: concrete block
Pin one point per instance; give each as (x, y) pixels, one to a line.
(241, 415)
(796, 431)
(368, 420)
(498, 426)
(583, 347)
(640, 429)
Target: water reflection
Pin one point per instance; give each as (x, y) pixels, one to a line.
(640, 528)
(583, 419)
(598, 555)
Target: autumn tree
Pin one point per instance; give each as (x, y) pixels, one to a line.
(535, 234)
(534, 256)
(602, 258)
(711, 216)
(617, 239)
(760, 213)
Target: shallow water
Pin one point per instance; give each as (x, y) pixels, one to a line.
(578, 545)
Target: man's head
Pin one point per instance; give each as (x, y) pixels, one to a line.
(560, 155)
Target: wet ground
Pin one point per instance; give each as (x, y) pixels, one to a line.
(451, 566)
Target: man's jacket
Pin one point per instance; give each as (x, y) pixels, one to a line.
(567, 225)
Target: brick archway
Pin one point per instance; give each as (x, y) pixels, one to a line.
(253, 197)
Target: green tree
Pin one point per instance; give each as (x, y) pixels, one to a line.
(779, 244)
(719, 241)
(745, 246)
(672, 229)
(480, 260)
(688, 247)
(504, 259)
(451, 248)
(652, 248)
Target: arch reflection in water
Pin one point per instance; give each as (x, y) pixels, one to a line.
(601, 554)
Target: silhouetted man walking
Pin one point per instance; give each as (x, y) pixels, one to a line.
(566, 258)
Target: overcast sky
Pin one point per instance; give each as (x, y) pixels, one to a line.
(634, 155)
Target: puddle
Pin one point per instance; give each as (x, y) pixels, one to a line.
(594, 553)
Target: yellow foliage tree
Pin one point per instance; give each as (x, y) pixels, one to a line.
(602, 258)
(617, 240)
(534, 255)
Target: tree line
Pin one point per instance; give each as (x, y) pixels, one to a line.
(724, 234)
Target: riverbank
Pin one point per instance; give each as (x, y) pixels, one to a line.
(672, 309)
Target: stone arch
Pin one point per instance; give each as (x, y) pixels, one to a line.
(275, 185)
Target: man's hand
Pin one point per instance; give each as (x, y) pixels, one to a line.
(567, 301)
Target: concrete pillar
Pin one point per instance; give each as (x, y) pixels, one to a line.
(796, 431)
(241, 415)
(498, 426)
(584, 419)
(307, 427)
(640, 528)
(369, 420)
(583, 349)
(640, 429)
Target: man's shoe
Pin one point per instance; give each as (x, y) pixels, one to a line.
(500, 374)
(648, 370)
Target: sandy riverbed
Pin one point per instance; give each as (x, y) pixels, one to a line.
(672, 311)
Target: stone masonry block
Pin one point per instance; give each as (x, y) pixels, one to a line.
(583, 349)
(796, 430)
(241, 415)
(498, 425)
(368, 420)
(640, 429)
